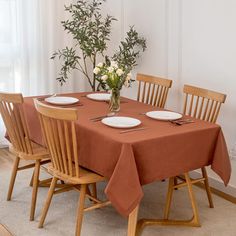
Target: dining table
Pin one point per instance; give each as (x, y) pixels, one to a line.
(130, 160)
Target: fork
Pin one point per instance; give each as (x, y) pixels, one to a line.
(98, 118)
(182, 121)
(131, 130)
(71, 105)
(49, 96)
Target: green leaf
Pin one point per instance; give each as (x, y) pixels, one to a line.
(91, 32)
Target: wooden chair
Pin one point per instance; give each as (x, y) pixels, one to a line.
(21, 146)
(205, 105)
(58, 126)
(153, 90)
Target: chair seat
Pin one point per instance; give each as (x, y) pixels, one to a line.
(86, 176)
(39, 152)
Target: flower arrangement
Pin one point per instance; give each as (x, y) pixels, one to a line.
(112, 77)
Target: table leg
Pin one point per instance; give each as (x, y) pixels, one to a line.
(132, 223)
(193, 222)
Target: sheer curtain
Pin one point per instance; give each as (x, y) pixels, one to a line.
(30, 30)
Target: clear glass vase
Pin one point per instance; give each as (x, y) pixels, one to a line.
(114, 104)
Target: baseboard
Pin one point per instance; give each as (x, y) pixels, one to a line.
(218, 188)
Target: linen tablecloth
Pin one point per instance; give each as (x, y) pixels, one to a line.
(133, 159)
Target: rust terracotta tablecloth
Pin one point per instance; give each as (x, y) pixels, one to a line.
(133, 159)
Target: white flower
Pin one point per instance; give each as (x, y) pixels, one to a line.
(110, 69)
(104, 77)
(96, 70)
(128, 78)
(126, 83)
(100, 64)
(119, 72)
(114, 64)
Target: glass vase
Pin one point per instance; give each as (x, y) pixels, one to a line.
(114, 105)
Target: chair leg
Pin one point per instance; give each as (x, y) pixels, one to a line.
(207, 187)
(169, 197)
(175, 182)
(32, 180)
(195, 219)
(94, 190)
(13, 178)
(35, 189)
(80, 210)
(89, 193)
(48, 202)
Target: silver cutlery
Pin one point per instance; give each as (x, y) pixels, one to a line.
(182, 121)
(132, 130)
(98, 118)
(49, 96)
(72, 105)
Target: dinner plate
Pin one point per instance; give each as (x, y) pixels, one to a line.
(163, 115)
(121, 122)
(61, 100)
(99, 96)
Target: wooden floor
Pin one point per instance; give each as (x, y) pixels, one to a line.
(212, 220)
(4, 231)
(6, 157)
(6, 160)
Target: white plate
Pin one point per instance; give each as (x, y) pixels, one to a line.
(121, 122)
(99, 96)
(163, 115)
(61, 100)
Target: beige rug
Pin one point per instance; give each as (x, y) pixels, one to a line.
(60, 221)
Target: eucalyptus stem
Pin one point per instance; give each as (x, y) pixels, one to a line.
(85, 64)
(86, 71)
(94, 77)
(91, 32)
(86, 74)
(98, 87)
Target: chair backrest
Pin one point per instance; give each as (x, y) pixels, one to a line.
(59, 133)
(11, 108)
(153, 90)
(202, 103)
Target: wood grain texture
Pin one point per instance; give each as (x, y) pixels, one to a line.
(205, 105)
(202, 103)
(11, 108)
(58, 129)
(153, 90)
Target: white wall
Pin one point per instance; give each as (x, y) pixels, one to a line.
(190, 42)
(208, 56)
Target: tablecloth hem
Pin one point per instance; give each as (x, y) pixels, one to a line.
(123, 211)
